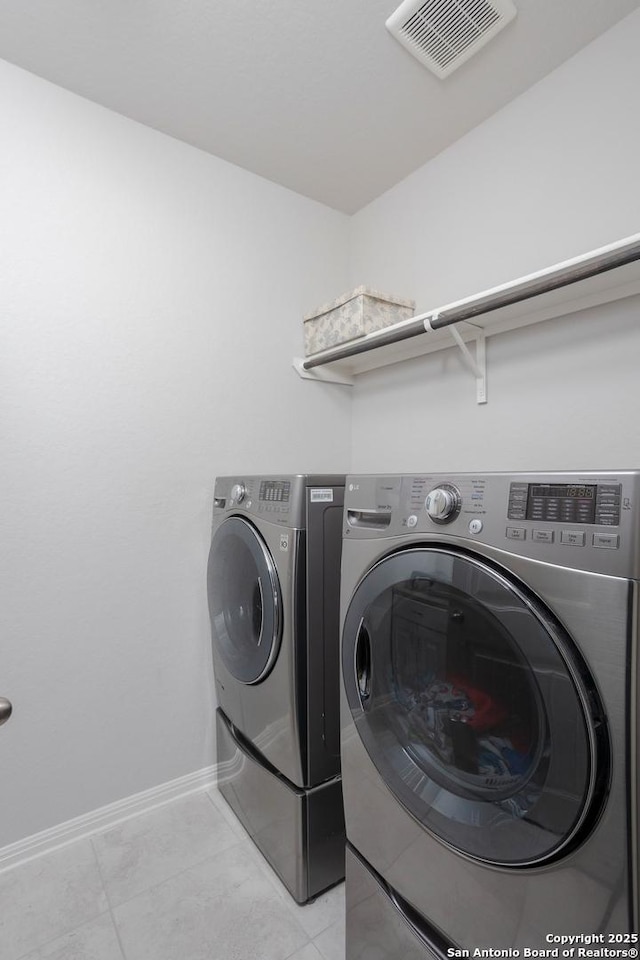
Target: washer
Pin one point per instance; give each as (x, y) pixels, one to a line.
(489, 712)
(273, 590)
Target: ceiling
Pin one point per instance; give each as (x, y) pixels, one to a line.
(316, 96)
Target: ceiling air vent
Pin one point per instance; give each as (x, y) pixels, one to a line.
(442, 34)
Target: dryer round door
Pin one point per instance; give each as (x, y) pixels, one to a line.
(244, 601)
(475, 707)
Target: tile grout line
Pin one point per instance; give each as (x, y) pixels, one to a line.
(113, 907)
(106, 893)
(61, 936)
(242, 843)
(88, 920)
(318, 948)
(172, 876)
(182, 872)
(303, 947)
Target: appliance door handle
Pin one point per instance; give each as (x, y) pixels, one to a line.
(6, 709)
(261, 631)
(363, 663)
(368, 518)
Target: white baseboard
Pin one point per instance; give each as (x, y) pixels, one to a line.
(97, 821)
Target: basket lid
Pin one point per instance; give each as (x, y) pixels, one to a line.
(359, 292)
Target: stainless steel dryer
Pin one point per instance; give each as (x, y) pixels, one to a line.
(490, 714)
(273, 589)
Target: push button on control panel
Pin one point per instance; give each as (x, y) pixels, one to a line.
(607, 541)
(608, 504)
(517, 501)
(516, 533)
(543, 536)
(573, 538)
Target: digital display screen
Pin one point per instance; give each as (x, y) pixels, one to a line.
(571, 491)
(562, 502)
(275, 491)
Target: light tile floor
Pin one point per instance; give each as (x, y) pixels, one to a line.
(182, 882)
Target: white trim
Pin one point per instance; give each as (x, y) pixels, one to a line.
(97, 821)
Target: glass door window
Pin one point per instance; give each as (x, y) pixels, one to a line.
(244, 601)
(473, 706)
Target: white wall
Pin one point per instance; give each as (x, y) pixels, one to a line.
(151, 299)
(553, 175)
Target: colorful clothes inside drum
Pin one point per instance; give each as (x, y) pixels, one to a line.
(462, 724)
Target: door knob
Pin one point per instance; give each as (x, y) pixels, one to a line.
(5, 710)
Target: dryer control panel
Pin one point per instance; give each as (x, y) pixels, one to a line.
(583, 520)
(282, 500)
(273, 498)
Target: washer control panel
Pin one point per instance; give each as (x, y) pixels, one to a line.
(586, 520)
(566, 502)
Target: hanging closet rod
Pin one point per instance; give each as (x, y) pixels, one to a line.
(571, 271)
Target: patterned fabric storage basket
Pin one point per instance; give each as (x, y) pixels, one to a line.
(351, 316)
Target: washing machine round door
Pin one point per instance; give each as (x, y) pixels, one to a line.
(475, 707)
(244, 601)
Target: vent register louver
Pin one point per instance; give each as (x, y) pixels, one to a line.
(443, 34)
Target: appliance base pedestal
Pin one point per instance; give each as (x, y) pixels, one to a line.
(299, 831)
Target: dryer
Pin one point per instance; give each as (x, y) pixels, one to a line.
(489, 712)
(273, 590)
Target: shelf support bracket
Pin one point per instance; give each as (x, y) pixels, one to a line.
(321, 374)
(477, 364)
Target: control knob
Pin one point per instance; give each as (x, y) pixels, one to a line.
(443, 503)
(238, 491)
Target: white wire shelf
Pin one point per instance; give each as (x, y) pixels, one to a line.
(601, 276)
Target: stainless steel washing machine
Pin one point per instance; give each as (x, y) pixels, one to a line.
(489, 712)
(273, 589)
